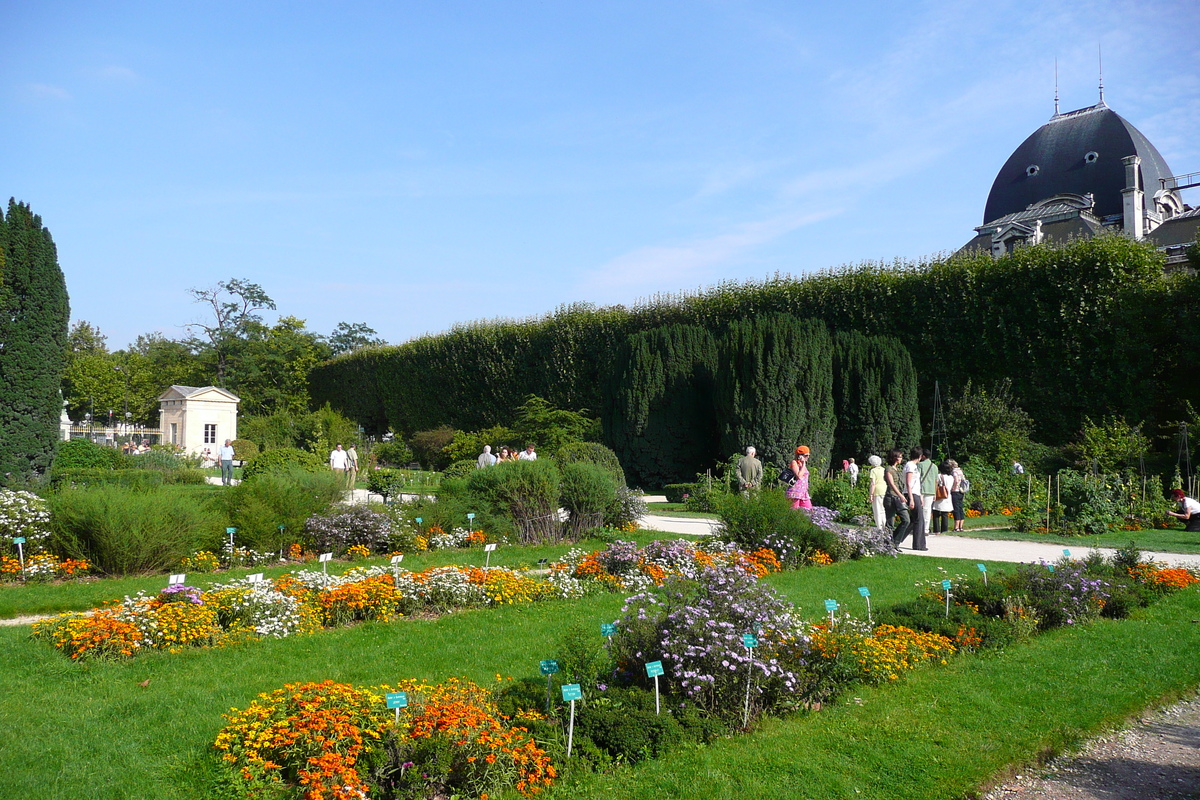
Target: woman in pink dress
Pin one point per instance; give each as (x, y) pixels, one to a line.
(798, 491)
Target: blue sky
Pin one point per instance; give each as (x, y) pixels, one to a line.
(414, 165)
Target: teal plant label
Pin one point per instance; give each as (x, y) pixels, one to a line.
(571, 691)
(864, 591)
(831, 605)
(419, 520)
(231, 531)
(653, 669)
(982, 567)
(471, 515)
(946, 585)
(397, 699)
(18, 540)
(1051, 566)
(608, 629)
(749, 640)
(1067, 553)
(549, 666)
(281, 528)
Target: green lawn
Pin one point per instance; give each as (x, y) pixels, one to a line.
(677, 510)
(92, 731)
(1162, 541)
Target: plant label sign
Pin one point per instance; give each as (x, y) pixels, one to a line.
(397, 699)
(982, 568)
(946, 585)
(549, 666)
(176, 579)
(832, 605)
(1067, 553)
(608, 629)
(396, 559)
(231, 531)
(325, 557)
(419, 520)
(487, 548)
(471, 516)
(571, 691)
(864, 591)
(18, 540)
(749, 640)
(1051, 566)
(255, 578)
(654, 669)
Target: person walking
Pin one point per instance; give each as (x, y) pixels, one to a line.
(486, 459)
(853, 471)
(338, 462)
(352, 465)
(895, 503)
(929, 478)
(912, 494)
(749, 470)
(877, 489)
(225, 456)
(798, 491)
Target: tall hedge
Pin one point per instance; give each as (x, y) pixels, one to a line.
(661, 414)
(775, 388)
(874, 396)
(1091, 327)
(33, 339)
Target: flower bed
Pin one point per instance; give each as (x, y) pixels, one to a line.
(334, 740)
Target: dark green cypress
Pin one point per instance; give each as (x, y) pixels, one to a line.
(775, 388)
(874, 396)
(660, 418)
(34, 312)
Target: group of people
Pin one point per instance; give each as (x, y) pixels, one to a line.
(918, 498)
(344, 464)
(489, 459)
(794, 476)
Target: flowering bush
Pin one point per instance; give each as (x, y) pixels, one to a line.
(695, 627)
(261, 609)
(43, 567)
(99, 635)
(24, 514)
(333, 740)
(857, 652)
(349, 525)
(1065, 595)
(201, 561)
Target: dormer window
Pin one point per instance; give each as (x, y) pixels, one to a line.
(1032, 169)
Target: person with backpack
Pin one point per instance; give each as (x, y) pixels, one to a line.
(957, 492)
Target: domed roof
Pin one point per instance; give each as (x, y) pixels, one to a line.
(1079, 153)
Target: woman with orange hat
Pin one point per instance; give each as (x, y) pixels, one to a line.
(798, 491)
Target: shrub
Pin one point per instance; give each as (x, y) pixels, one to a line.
(387, 483)
(525, 492)
(837, 493)
(343, 528)
(625, 731)
(427, 445)
(627, 508)
(136, 479)
(592, 453)
(166, 457)
(244, 449)
(767, 519)
(461, 469)
(588, 494)
(1065, 595)
(122, 531)
(675, 491)
(259, 505)
(82, 454)
(394, 453)
(283, 459)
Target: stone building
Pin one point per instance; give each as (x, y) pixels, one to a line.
(198, 418)
(1082, 173)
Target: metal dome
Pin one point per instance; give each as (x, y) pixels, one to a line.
(1079, 153)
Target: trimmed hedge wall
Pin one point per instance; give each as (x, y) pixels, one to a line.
(1089, 328)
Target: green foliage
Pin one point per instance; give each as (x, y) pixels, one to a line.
(283, 459)
(675, 491)
(280, 496)
(582, 657)
(82, 454)
(124, 531)
(624, 725)
(767, 519)
(390, 483)
(874, 395)
(588, 493)
(987, 425)
(461, 469)
(244, 449)
(524, 492)
(1111, 445)
(550, 428)
(33, 343)
(468, 445)
(775, 388)
(592, 453)
(429, 446)
(392, 454)
(837, 493)
(80, 478)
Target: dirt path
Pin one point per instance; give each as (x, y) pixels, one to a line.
(1157, 757)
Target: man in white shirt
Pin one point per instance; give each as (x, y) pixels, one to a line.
(225, 456)
(338, 462)
(486, 459)
(527, 454)
(852, 468)
(912, 494)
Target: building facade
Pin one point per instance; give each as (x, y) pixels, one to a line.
(198, 418)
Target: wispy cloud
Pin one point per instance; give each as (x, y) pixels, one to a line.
(46, 91)
(659, 266)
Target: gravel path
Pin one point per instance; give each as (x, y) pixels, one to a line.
(1157, 757)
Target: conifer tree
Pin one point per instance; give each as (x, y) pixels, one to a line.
(33, 340)
(775, 388)
(874, 395)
